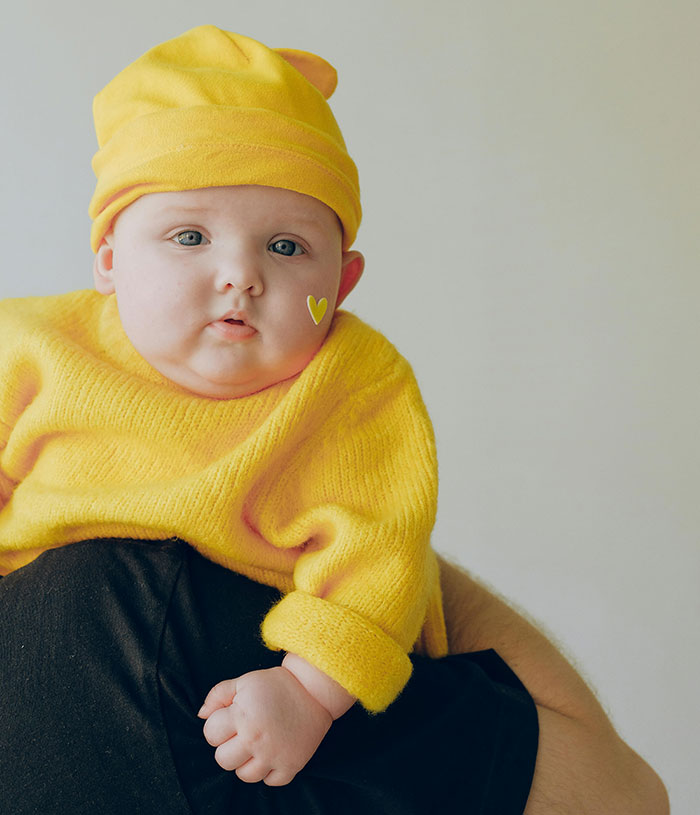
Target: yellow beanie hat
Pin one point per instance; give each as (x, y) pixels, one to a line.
(212, 108)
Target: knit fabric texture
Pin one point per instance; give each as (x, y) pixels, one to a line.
(323, 486)
(213, 108)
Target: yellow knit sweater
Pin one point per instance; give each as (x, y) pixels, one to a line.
(323, 486)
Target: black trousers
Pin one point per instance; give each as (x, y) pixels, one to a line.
(108, 648)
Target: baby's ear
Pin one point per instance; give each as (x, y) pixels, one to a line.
(102, 270)
(353, 266)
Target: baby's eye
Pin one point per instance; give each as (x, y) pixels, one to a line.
(190, 237)
(286, 247)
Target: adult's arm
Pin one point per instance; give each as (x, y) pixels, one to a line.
(583, 767)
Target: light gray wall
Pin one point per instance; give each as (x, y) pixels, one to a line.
(530, 174)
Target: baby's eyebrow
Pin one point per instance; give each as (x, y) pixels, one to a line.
(278, 220)
(306, 220)
(175, 209)
(184, 209)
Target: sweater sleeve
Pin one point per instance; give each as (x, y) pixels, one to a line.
(6, 484)
(366, 575)
(18, 385)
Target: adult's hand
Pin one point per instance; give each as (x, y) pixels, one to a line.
(583, 767)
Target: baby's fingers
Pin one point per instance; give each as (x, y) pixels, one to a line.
(220, 726)
(219, 696)
(253, 771)
(232, 754)
(279, 778)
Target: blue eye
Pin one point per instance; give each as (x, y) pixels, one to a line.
(190, 237)
(286, 247)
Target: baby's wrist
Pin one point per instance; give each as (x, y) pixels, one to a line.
(326, 691)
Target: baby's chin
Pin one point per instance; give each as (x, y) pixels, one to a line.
(216, 379)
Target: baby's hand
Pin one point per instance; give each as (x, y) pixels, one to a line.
(264, 724)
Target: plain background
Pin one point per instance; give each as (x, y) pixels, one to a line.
(530, 175)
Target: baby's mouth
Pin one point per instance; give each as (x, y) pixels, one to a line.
(234, 328)
(235, 318)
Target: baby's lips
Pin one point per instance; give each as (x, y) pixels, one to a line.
(236, 317)
(234, 328)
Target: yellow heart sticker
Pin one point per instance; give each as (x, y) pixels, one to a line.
(316, 310)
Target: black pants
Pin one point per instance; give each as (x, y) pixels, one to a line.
(108, 648)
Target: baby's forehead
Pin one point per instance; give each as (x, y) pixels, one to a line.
(242, 204)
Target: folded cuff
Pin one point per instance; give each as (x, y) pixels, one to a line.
(343, 644)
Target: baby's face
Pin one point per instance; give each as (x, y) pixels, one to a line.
(212, 284)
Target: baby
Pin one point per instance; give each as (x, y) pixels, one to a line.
(209, 389)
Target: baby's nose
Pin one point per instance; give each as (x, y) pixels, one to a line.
(240, 272)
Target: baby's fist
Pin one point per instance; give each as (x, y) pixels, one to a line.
(264, 724)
